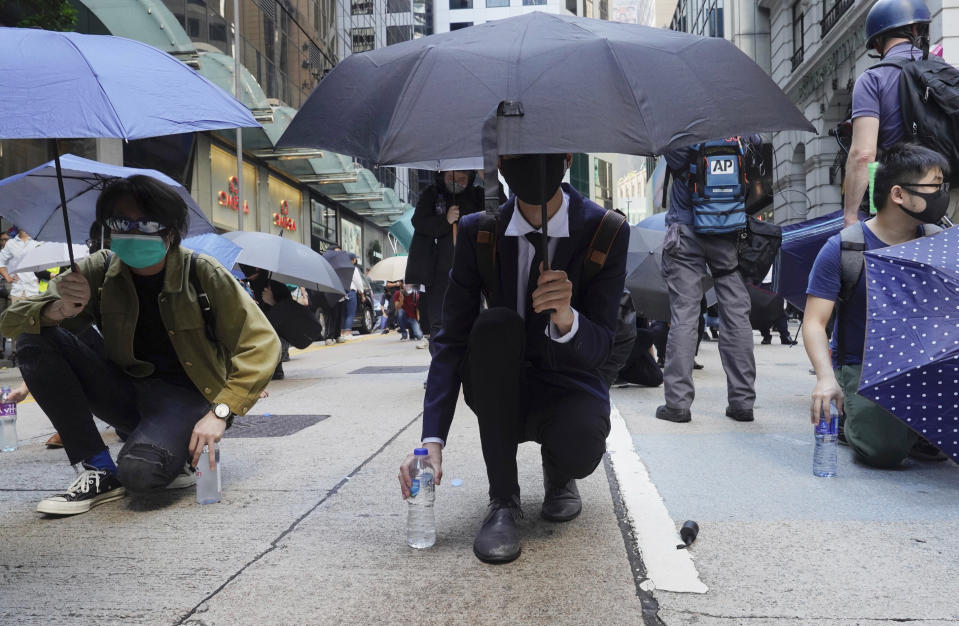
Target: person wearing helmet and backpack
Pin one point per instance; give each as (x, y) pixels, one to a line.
(908, 96)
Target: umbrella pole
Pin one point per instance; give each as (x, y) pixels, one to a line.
(63, 202)
(544, 246)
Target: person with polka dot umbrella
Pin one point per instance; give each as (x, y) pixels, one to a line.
(892, 366)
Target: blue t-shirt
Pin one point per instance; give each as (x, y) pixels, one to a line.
(876, 94)
(825, 282)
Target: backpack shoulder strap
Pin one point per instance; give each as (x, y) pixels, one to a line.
(486, 258)
(852, 262)
(209, 322)
(852, 259)
(601, 244)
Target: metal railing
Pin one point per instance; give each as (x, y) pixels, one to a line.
(832, 15)
(797, 58)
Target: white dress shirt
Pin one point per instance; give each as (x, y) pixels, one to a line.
(558, 228)
(27, 282)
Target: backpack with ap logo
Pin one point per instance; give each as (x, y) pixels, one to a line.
(717, 184)
(929, 99)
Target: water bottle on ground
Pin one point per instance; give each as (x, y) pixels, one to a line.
(825, 457)
(208, 485)
(8, 422)
(421, 524)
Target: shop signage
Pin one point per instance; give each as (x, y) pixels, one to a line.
(231, 199)
(283, 219)
(850, 46)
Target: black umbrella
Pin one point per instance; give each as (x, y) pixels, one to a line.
(539, 83)
(343, 266)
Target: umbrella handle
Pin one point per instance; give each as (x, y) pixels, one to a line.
(455, 224)
(55, 144)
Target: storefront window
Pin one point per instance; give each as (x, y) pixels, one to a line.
(323, 226)
(286, 202)
(225, 187)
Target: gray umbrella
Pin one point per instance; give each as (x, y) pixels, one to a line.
(539, 83)
(585, 85)
(644, 275)
(287, 260)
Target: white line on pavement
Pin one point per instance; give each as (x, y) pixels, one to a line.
(656, 536)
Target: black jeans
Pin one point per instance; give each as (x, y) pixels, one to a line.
(514, 407)
(71, 380)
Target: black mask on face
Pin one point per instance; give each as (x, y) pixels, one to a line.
(522, 174)
(937, 203)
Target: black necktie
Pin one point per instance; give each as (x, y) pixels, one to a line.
(536, 239)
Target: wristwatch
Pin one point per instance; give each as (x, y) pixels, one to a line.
(223, 411)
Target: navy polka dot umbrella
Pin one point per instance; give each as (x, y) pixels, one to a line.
(911, 357)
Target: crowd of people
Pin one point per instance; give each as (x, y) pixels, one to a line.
(527, 326)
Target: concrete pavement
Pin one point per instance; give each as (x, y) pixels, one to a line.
(311, 528)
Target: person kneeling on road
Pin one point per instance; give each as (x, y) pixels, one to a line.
(529, 364)
(167, 372)
(910, 195)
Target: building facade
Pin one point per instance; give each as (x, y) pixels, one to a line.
(818, 49)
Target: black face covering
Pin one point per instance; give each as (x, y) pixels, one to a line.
(522, 174)
(937, 203)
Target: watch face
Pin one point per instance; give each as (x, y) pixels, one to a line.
(222, 411)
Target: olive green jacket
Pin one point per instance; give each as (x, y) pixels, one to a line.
(233, 371)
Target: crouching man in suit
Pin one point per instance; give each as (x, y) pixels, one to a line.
(529, 364)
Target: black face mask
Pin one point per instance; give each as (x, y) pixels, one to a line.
(522, 174)
(937, 203)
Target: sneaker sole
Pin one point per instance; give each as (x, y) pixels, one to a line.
(74, 508)
(181, 482)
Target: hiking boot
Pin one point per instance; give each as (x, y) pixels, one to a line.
(91, 488)
(740, 415)
(924, 450)
(186, 478)
(679, 416)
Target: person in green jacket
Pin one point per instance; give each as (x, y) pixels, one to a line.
(163, 371)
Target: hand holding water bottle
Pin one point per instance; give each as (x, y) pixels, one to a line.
(436, 460)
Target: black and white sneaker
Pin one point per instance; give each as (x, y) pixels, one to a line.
(91, 488)
(186, 478)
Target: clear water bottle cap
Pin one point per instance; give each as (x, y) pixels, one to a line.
(421, 452)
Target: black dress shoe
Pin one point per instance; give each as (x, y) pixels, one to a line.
(740, 415)
(766, 341)
(498, 537)
(786, 340)
(561, 502)
(673, 415)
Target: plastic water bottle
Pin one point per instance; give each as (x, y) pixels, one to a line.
(825, 458)
(8, 422)
(420, 523)
(208, 485)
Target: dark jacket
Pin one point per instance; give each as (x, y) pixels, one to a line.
(572, 365)
(431, 252)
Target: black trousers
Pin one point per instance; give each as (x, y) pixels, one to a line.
(514, 406)
(71, 380)
(435, 294)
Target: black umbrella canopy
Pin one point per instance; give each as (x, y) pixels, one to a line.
(583, 85)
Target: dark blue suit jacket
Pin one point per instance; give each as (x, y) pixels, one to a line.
(572, 365)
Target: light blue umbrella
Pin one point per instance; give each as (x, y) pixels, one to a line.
(216, 246)
(31, 199)
(58, 85)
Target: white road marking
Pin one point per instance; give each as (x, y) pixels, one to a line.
(656, 535)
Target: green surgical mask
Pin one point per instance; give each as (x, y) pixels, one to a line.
(139, 251)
